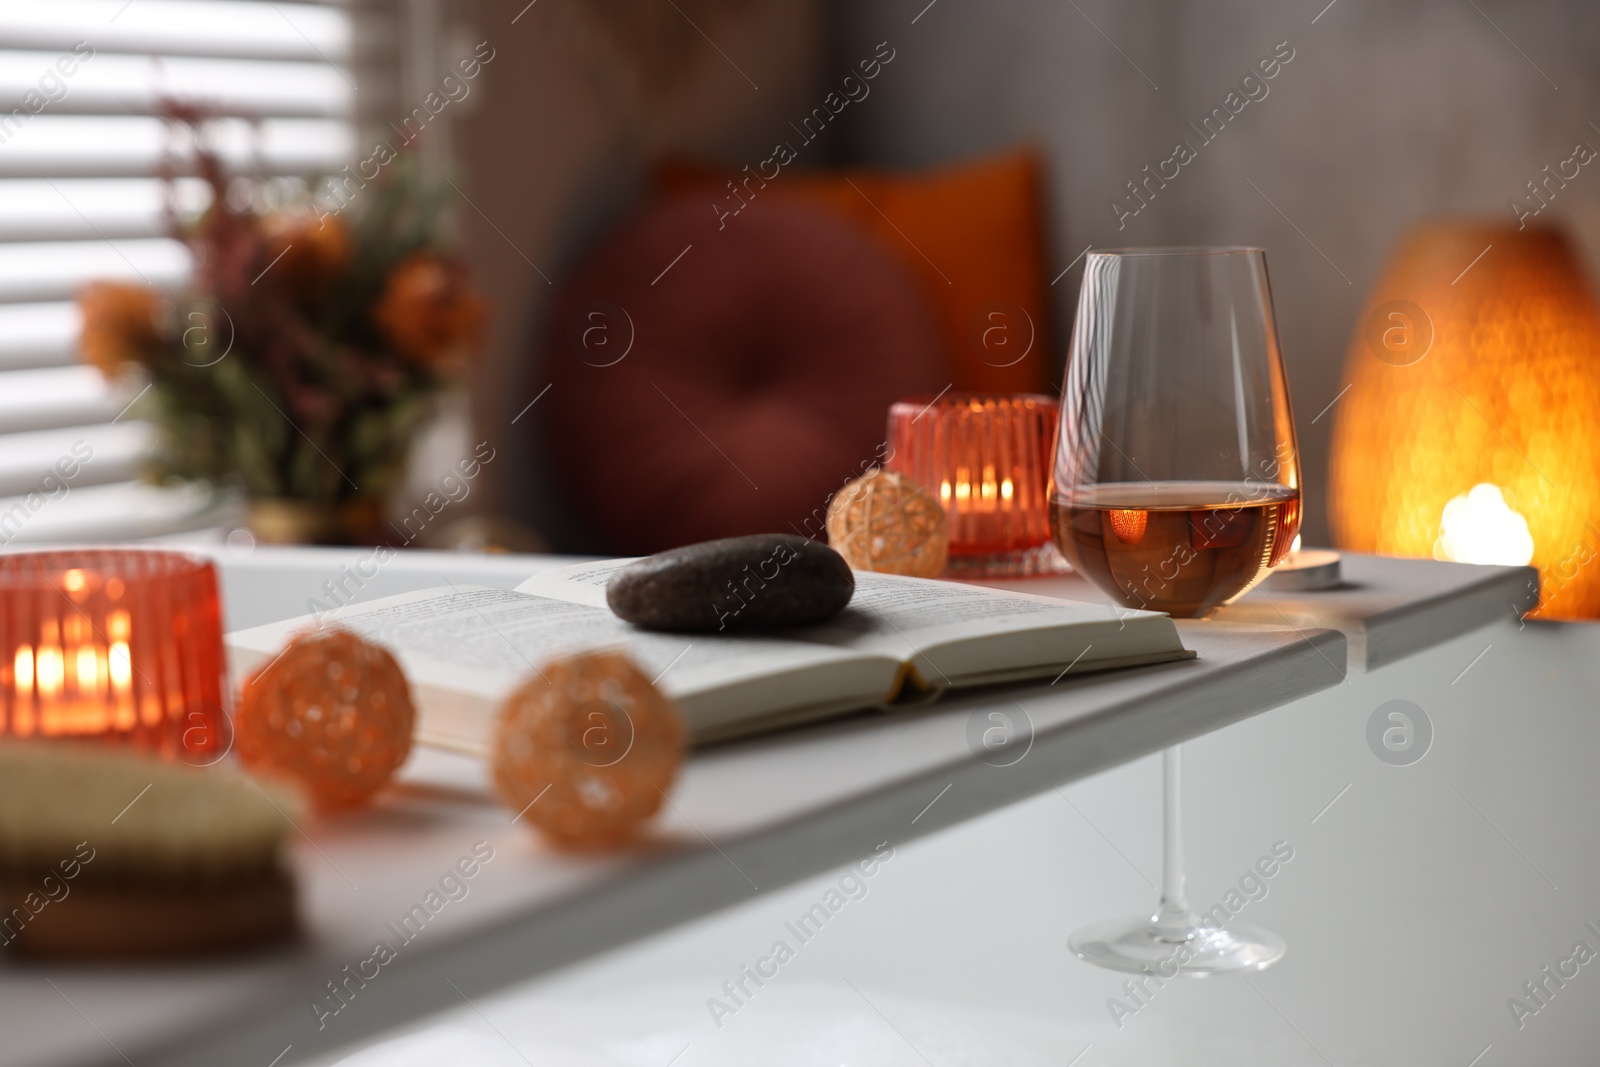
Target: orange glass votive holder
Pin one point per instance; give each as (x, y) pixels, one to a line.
(987, 458)
(122, 646)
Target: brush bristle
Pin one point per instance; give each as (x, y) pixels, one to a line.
(146, 820)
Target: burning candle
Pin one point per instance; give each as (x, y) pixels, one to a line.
(987, 458)
(121, 645)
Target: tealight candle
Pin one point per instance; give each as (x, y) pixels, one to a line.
(121, 645)
(1305, 570)
(987, 459)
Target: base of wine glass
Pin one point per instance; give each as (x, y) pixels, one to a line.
(1140, 946)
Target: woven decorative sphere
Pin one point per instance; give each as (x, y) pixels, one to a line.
(332, 713)
(882, 521)
(586, 749)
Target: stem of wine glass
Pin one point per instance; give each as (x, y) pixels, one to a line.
(1174, 921)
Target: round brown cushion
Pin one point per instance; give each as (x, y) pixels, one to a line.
(733, 391)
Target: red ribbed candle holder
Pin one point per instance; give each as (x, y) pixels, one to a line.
(122, 646)
(987, 458)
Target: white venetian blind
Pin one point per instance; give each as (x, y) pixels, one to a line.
(81, 139)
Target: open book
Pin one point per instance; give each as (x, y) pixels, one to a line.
(901, 641)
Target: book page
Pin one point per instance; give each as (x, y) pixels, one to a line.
(485, 642)
(884, 606)
(950, 630)
(952, 633)
(911, 609)
(580, 583)
(503, 630)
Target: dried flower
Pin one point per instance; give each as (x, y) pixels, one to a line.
(121, 324)
(306, 253)
(324, 384)
(428, 310)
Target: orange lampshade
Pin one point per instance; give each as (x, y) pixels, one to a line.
(1469, 431)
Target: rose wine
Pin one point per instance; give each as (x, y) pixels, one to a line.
(1180, 547)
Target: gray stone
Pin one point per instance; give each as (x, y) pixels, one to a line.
(758, 582)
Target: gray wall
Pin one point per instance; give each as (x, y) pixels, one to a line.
(557, 150)
(1388, 112)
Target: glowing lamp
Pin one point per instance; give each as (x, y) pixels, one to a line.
(1469, 432)
(122, 646)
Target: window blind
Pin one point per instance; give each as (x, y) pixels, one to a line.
(81, 140)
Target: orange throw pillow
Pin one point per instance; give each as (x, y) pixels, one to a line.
(972, 233)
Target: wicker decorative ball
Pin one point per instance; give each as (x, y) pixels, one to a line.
(884, 522)
(586, 749)
(332, 714)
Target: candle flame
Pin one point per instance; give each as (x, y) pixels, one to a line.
(78, 678)
(1481, 527)
(49, 671)
(22, 671)
(22, 717)
(120, 666)
(1128, 524)
(88, 670)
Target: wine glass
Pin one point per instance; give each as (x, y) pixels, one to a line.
(1176, 488)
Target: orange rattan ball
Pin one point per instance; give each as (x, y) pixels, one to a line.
(332, 713)
(586, 750)
(882, 521)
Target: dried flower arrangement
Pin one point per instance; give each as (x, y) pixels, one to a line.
(306, 350)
